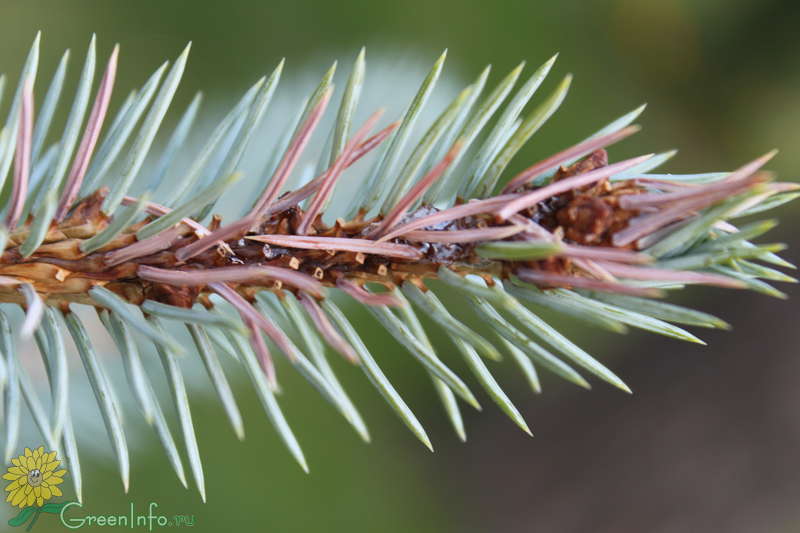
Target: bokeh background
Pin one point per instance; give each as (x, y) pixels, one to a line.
(709, 441)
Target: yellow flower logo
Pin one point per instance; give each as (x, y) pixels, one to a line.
(34, 478)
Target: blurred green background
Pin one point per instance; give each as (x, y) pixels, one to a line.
(709, 442)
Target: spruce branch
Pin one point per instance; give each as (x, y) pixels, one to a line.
(595, 240)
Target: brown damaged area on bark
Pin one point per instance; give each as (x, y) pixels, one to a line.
(62, 273)
(588, 215)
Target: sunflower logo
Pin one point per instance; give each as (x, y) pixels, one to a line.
(34, 478)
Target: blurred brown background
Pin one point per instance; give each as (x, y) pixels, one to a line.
(709, 441)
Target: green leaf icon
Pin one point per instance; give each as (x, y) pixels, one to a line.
(22, 517)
